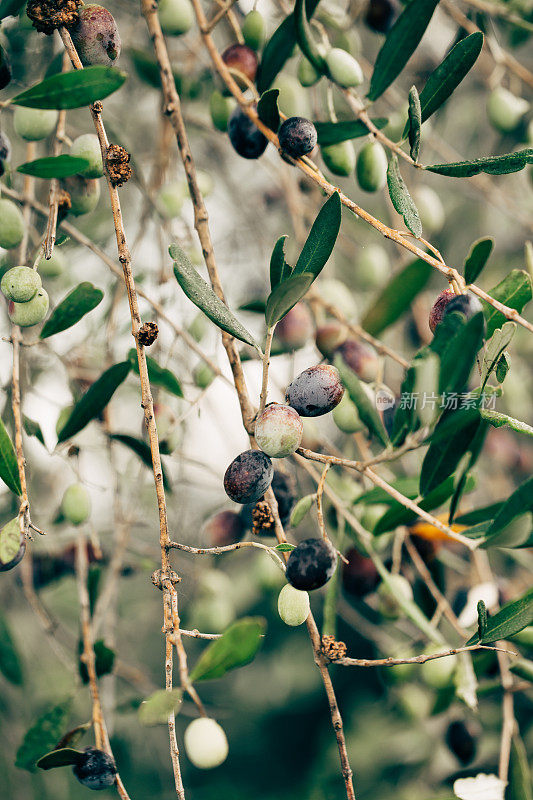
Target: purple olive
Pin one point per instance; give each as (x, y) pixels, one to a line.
(297, 136)
(315, 391)
(329, 336)
(96, 36)
(359, 575)
(224, 528)
(242, 58)
(361, 358)
(439, 307)
(311, 564)
(248, 476)
(461, 739)
(296, 327)
(466, 304)
(246, 139)
(95, 769)
(381, 14)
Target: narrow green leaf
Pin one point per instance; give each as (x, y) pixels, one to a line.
(32, 428)
(396, 297)
(267, 109)
(304, 37)
(365, 405)
(334, 132)
(477, 258)
(499, 420)
(64, 757)
(54, 166)
(520, 502)
(502, 367)
(10, 664)
(8, 462)
(414, 122)
(236, 647)
(285, 296)
(141, 449)
(78, 302)
(491, 165)
(399, 193)
(42, 736)
(400, 44)
(159, 376)
(202, 295)
(511, 619)
(496, 345)
(479, 515)
(157, 708)
(285, 547)
(321, 239)
(513, 291)
(72, 89)
(279, 48)
(459, 357)
(94, 400)
(444, 455)
(277, 263)
(520, 786)
(449, 74)
(522, 667)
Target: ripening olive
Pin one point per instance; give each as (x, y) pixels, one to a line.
(246, 139)
(505, 110)
(297, 136)
(20, 284)
(248, 476)
(339, 158)
(76, 504)
(461, 739)
(466, 304)
(53, 266)
(220, 108)
(359, 576)
(381, 14)
(343, 68)
(96, 769)
(96, 36)
(293, 605)
(30, 313)
(371, 167)
(87, 146)
(206, 744)
(11, 538)
(307, 74)
(439, 307)
(361, 358)
(253, 29)
(242, 58)
(311, 564)
(224, 528)
(430, 209)
(346, 416)
(278, 430)
(175, 16)
(316, 391)
(11, 224)
(34, 124)
(296, 327)
(84, 194)
(329, 336)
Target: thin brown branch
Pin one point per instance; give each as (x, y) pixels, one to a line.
(391, 662)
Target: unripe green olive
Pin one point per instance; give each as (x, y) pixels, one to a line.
(253, 29)
(53, 266)
(343, 68)
(33, 124)
(76, 504)
(346, 417)
(84, 194)
(205, 182)
(372, 267)
(329, 336)
(430, 209)
(206, 744)
(12, 545)
(293, 605)
(307, 74)
(11, 225)
(278, 430)
(505, 110)
(291, 101)
(30, 313)
(20, 284)
(169, 200)
(203, 375)
(388, 602)
(176, 16)
(220, 108)
(339, 158)
(87, 146)
(438, 672)
(371, 167)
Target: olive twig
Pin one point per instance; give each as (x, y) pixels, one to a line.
(391, 662)
(266, 365)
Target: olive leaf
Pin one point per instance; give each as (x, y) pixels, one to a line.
(491, 165)
(513, 291)
(396, 298)
(414, 122)
(157, 708)
(285, 296)
(305, 39)
(236, 647)
(366, 407)
(477, 258)
(54, 166)
(499, 420)
(520, 783)
(43, 735)
(267, 109)
(399, 194)
(494, 349)
(321, 239)
(32, 428)
(159, 376)
(204, 298)
(63, 757)
(10, 663)
(445, 453)
(520, 502)
(511, 619)
(74, 89)
(141, 449)
(78, 302)
(104, 659)
(10, 8)
(334, 132)
(10, 539)
(8, 462)
(278, 265)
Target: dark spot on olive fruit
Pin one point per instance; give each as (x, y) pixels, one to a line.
(247, 140)
(461, 740)
(96, 36)
(96, 769)
(466, 304)
(224, 528)
(381, 14)
(359, 575)
(248, 476)
(315, 391)
(311, 564)
(297, 136)
(361, 358)
(439, 307)
(242, 58)
(5, 69)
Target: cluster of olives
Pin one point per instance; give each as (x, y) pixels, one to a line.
(27, 300)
